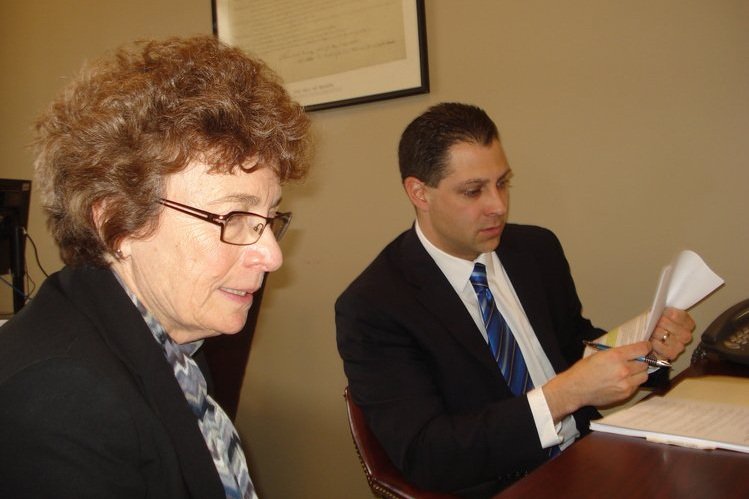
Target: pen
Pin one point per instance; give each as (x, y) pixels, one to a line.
(649, 361)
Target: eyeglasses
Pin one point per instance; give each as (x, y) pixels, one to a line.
(240, 228)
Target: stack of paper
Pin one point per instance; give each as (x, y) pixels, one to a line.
(707, 413)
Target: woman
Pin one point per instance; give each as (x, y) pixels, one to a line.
(161, 171)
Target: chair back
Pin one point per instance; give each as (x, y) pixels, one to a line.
(384, 479)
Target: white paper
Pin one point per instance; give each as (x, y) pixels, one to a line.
(682, 283)
(705, 413)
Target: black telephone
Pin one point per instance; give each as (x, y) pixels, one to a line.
(728, 334)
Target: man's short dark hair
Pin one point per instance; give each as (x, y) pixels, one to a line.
(426, 141)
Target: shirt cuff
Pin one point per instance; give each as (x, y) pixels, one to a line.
(548, 432)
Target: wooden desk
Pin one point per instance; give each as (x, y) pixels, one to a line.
(613, 466)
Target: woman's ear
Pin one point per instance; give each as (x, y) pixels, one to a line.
(98, 211)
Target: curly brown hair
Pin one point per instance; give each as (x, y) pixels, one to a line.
(128, 121)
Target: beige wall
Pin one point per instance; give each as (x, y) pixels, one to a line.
(42, 44)
(625, 123)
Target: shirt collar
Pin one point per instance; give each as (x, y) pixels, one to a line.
(456, 270)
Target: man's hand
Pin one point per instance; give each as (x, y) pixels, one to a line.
(672, 333)
(599, 379)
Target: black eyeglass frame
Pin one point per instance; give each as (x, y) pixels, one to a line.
(220, 220)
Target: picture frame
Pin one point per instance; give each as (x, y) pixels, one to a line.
(332, 53)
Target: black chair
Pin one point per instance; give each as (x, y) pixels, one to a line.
(384, 479)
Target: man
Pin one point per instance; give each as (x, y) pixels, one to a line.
(418, 354)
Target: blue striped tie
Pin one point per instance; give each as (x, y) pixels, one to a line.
(501, 341)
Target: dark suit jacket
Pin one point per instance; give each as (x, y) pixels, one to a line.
(89, 406)
(424, 375)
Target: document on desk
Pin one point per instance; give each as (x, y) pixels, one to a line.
(706, 413)
(683, 282)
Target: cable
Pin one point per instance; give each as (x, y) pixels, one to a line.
(30, 282)
(26, 297)
(36, 253)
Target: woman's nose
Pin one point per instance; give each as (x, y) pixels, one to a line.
(265, 253)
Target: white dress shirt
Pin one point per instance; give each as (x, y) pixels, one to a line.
(458, 273)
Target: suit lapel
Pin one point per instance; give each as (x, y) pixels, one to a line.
(434, 292)
(439, 298)
(97, 293)
(528, 284)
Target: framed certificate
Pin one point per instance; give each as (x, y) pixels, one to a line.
(332, 53)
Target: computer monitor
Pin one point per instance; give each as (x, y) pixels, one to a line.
(15, 199)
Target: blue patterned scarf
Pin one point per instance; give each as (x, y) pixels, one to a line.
(217, 429)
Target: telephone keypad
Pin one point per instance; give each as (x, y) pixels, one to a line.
(738, 340)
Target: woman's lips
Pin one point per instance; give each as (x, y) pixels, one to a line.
(242, 295)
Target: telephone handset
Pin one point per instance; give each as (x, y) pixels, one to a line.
(728, 334)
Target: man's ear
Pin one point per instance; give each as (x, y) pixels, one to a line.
(417, 192)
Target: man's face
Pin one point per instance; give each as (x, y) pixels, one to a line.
(464, 215)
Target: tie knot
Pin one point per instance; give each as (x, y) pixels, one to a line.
(478, 276)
